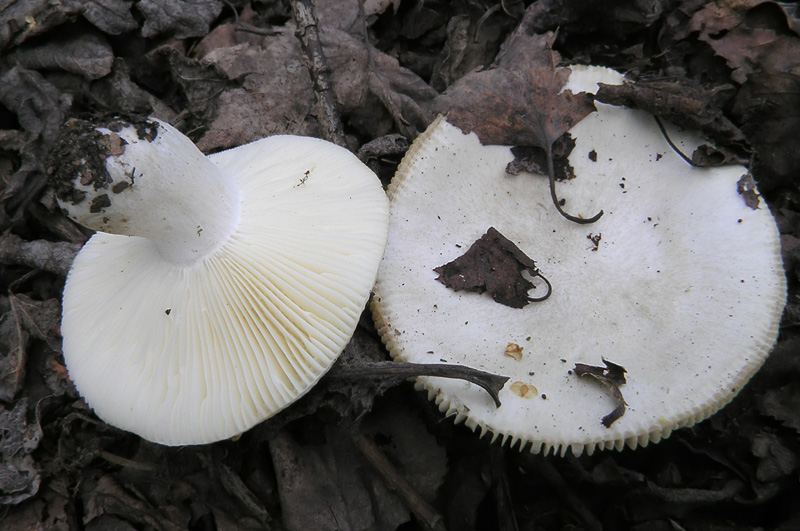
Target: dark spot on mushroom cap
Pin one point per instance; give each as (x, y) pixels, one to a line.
(119, 187)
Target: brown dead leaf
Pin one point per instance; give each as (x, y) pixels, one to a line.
(519, 101)
(105, 497)
(181, 18)
(111, 16)
(753, 38)
(269, 90)
(493, 264)
(612, 376)
(783, 404)
(13, 343)
(370, 84)
(19, 475)
(87, 55)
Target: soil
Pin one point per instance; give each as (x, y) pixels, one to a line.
(362, 452)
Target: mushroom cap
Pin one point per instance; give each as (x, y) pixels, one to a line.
(684, 289)
(191, 355)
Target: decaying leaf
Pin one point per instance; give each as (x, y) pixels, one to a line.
(40, 108)
(752, 37)
(111, 16)
(369, 83)
(183, 18)
(611, 376)
(519, 102)
(782, 404)
(270, 92)
(524, 390)
(13, 342)
(747, 189)
(22, 20)
(493, 264)
(87, 55)
(533, 159)
(19, 476)
(514, 351)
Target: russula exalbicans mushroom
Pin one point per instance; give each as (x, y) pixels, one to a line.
(219, 289)
(680, 283)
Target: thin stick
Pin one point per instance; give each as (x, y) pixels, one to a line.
(680, 153)
(399, 371)
(432, 520)
(308, 33)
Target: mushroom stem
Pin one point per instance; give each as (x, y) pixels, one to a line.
(145, 178)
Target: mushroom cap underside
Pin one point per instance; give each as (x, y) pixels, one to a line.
(680, 282)
(190, 355)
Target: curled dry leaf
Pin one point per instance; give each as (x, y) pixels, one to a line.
(494, 264)
(611, 376)
(514, 351)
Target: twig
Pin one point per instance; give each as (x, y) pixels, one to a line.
(549, 473)
(53, 257)
(395, 371)
(234, 485)
(308, 33)
(380, 463)
(680, 153)
(506, 519)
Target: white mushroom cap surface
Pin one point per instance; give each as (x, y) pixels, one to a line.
(200, 347)
(685, 288)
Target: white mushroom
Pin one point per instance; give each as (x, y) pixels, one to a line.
(231, 283)
(680, 282)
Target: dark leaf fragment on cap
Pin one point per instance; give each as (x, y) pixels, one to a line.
(611, 376)
(494, 264)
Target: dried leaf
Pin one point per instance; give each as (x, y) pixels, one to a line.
(106, 497)
(21, 20)
(40, 109)
(361, 74)
(111, 16)
(782, 404)
(746, 186)
(519, 102)
(19, 475)
(751, 36)
(307, 483)
(181, 18)
(514, 351)
(524, 390)
(493, 264)
(611, 376)
(776, 461)
(269, 93)
(533, 159)
(87, 55)
(13, 342)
